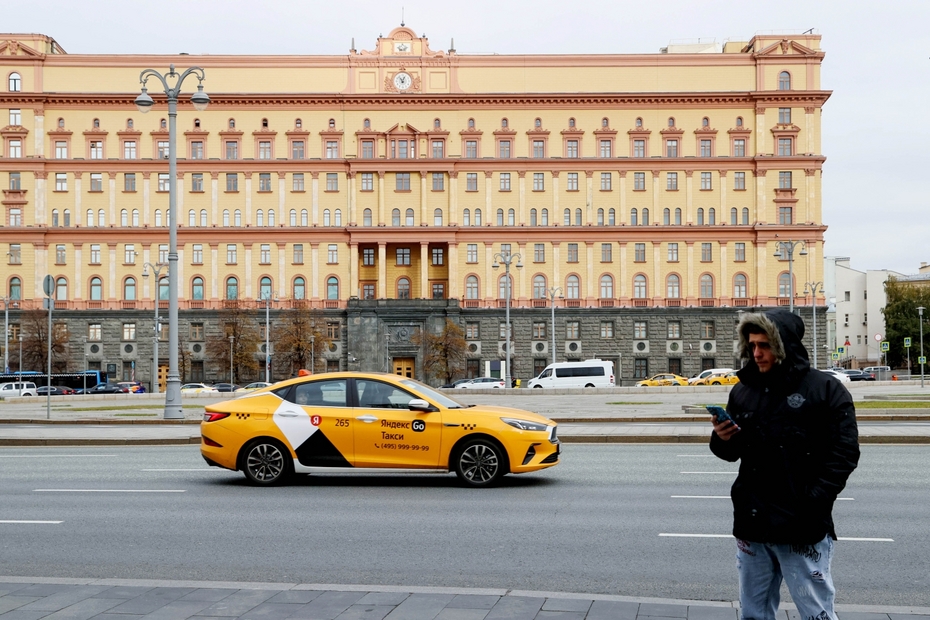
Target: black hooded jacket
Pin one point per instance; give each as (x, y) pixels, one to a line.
(798, 441)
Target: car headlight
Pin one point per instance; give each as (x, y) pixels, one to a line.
(525, 425)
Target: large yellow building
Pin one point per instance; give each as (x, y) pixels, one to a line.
(650, 189)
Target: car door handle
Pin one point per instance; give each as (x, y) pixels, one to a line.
(367, 419)
(288, 414)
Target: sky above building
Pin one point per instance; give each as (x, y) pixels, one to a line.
(876, 199)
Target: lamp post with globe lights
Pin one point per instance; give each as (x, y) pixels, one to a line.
(786, 250)
(553, 291)
(812, 288)
(157, 297)
(144, 103)
(506, 258)
(920, 315)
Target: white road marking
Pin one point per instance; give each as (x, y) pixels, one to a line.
(54, 456)
(731, 473)
(31, 522)
(839, 499)
(108, 491)
(192, 469)
(665, 535)
(699, 456)
(866, 539)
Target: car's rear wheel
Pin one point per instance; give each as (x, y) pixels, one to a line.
(266, 462)
(535, 387)
(589, 385)
(480, 463)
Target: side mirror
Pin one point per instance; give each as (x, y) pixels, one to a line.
(418, 404)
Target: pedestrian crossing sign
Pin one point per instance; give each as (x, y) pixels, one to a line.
(922, 359)
(907, 342)
(836, 356)
(885, 346)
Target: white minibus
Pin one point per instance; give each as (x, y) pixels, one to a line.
(589, 373)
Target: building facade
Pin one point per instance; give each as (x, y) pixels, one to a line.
(645, 195)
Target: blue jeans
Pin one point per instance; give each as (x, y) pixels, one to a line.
(805, 568)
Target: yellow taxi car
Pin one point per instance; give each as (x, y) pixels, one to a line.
(725, 378)
(661, 380)
(350, 421)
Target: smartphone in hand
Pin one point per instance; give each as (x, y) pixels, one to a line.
(721, 413)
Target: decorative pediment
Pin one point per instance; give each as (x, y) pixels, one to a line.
(786, 47)
(15, 48)
(401, 41)
(403, 128)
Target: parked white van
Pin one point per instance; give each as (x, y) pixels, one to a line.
(706, 373)
(17, 388)
(589, 373)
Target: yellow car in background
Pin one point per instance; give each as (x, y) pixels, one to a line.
(723, 378)
(662, 380)
(350, 421)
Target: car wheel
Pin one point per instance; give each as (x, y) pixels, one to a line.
(265, 462)
(480, 463)
(589, 385)
(537, 387)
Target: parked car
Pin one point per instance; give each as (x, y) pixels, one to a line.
(722, 378)
(662, 380)
(104, 388)
(226, 387)
(842, 377)
(455, 384)
(256, 385)
(859, 375)
(197, 388)
(706, 373)
(55, 390)
(588, 373)
(134, 387)
(17, 388)
(481, 383)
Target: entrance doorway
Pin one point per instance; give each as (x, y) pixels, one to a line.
(403, 366)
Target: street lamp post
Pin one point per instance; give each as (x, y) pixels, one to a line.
(312, 352)
(812, 287)
(507, 258)
(552, 293)
(920, 315)
(144, 103)
(84, 345)
(157, 297)
(267, 338)
(232, 340)
(6, 333)
(787, 247)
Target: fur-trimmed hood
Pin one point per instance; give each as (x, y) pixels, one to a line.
(785, 331)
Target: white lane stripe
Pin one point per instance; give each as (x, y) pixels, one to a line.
(108, 491)
(731, 473)
(698, 456)
(208, 469)
(54, 456)
(839, 499)
(31, 522)
(665, 535)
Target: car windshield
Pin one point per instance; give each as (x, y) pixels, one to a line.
(428, 392)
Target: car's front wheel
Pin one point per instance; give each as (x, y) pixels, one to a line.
(266, 463)
(480, 463)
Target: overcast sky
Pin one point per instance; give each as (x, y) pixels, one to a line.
(875, 127)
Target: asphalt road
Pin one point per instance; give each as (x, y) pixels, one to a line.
(599, 523)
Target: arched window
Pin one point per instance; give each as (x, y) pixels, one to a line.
(611, 217)
(500, 217)
(511, 217)
(471, 123)
(572, 287)
(739, 121)
(784, 81)
(502, 286)
(705, 122)
(15, 83)
(784, 285)
(639, 122)
(123, 218)
(745, 216)
(700, 217)
(271, 217)
(504, 123)
(634, 217)
(571, 122)
(197, 288)
(191, 218)
(645, 217)
(232, 288)
(739, 286)
(292, 217)
(607, 286)
(395, 217)
(163, 289)
(366, 217)
(55, 217)
(203, 217)
(600, 217)
(237, 218)
(326, 220)
(578, 217)
(129, 289)
(707, 286)
(264, 123)
(537, 123)
(96, 289)
(300, 288)
(61, 123)
(666, 216)
(332, 123)
(711, 216)
(605, 122)
(197, 123)
(157, 218)
(96, 123)
(567, 217)
(673, 286)
(16, 288)
(408, 217)
(305, 217)
(129, 123)
(437, 123)
(232, 123)
(101, 218)
(89, 220)
(437, 217)
(466, 217)
(640, 290)
(225, 217)
(734, 216)
(366, 123)
(264, 288)
(61, 289)
(135, 218)
(544, 217)
(332, 287)
(477, 217)
(163, 124)
(539, 286)
(260, 217)
(671, 121)
(533, 220)
(471, 287)
(677, 217)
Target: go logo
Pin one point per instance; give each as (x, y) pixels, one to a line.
(418, 426)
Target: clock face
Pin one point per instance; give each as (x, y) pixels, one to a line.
(402, 81)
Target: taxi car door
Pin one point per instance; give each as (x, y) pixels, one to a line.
(388, 433)
(320, 424)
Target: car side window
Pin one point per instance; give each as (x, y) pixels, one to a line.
(327, 393)
(377, 394)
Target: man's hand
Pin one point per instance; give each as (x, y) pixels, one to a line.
(725, 430)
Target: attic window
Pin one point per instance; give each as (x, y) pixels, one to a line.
(705, 122)
(163, 124)
(61, 123)
(471, 123)
(571, 123)
(504, 123)
(739, 121)
(366, 123)
(671, 121)
(232, 123)
(264, 123)
(605, 122)
(129, 123)
(437, 124)
(197, 123)
(537, 123)
(639, 123)
(332, 123)
(298, 123)
(96, 123)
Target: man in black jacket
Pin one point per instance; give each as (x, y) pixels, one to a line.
(794, 433)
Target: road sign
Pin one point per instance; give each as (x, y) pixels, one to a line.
(836, 356)
(841, 350)
(885, 347)
(48, 285)
(907, 342)
(922, 359)
(878, 337)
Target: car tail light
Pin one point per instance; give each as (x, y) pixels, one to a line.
(210, 442)
(213, 417)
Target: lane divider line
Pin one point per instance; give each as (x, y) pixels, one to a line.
(29, 522)
(109, 491)
(845, 538)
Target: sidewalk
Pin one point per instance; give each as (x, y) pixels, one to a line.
(32, 598)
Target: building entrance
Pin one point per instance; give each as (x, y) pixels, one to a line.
(404, 366)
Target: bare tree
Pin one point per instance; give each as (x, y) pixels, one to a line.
(301, 337)
(239, 324)
(34, 325)
(444, 357)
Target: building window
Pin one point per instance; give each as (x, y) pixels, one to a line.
(745, 214)
(706, 181)
(607, 286)
(439, 181)
(539, 182)
(707, 252)
(15, 83)
(61, 149)
(471, 182)
(196, 149)
(197, 182)
(784, 81)
(671, 148)
(129, 182)
(61, 255)
(539, 330)
(607, 252)
(639, 252)
(129, 331)
(539, 149)
(16, 257)
(95, 254)
(673, 252)
(572, 182)
(472, 331)
(606, 181)
(671, 181)
(739, 286)
(572, 330)
(332, 149)
(438, 149)
(604, 149)
(368, 257)
(402, 182)
(571, 149)
(503, 149)
(707, 286)
(785, 215)
(707, 330)
(232, 182)
(368, 182)
(16, 148)
(297, 149)
(471, 149)
(572, 254)
(739, 252)
(232, 149)
(264, 182)
(129, 149)
(438, 256)
(640, 289)
(231, 249)
(505, 182)
(639, 181)
(673, 330)
(673, 286)
(403, 256)
(471, 287)
(332, 181)
(784, 180)
(368, 149)
(706, 149)
(640, 368)
(785, 147)
(640, 330)
(607, 329)
(332, 254)
(739, 148)
(784, 116)
(739, 180)
(471, 253)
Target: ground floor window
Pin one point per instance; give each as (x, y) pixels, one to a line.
(539, 365)
(707, 363)
(674, 365)
(197, 371)
(472, 369)
(332, 366)
(129, 371)
(640, 368)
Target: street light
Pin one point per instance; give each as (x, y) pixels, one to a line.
(812, 287)
(144, 103)
(157, 297)
(232, 339)
(84, 345)
(312, 352)
(507, 258)
(787, 247)
(552, 292)
(267, 298)
(6, 332)
(920, 315)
